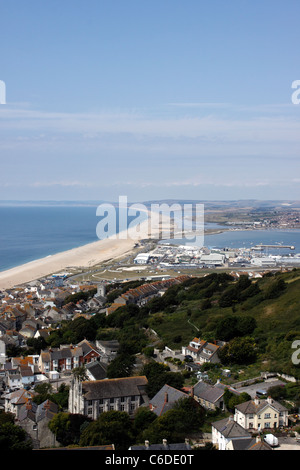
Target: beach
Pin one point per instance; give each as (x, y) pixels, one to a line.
(85, 256)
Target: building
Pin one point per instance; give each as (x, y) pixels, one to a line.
(261, 414)
(165, 399)
(141, 258)
(227, 430)
(34, 420)
(201, 351)
(211, 396)
(213, 259)
(181, 446)
(68, 358)
(91, 398)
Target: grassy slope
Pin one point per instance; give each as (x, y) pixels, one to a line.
(278, 322)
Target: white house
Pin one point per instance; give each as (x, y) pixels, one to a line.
(227, 430)
(261, 414)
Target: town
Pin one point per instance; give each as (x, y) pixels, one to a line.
(35, 371)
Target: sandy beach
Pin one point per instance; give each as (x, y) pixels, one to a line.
(82, 257)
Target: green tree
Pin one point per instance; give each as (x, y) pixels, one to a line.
(112, 427)
(121, 366)
(14, 438)
(67, 427)
(238, 351)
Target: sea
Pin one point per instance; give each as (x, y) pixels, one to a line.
(30, 232)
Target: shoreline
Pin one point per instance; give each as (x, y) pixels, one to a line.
(85, 256)
(92, 254)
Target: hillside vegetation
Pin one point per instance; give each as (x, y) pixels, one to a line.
(265, 311)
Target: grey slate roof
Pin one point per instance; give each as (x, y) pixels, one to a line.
(114, 388)
(165, 447)
(165, 399)
(250, 407)
(230, 429)
(208, 392)
(97, 369)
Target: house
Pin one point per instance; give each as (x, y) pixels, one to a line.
(255, 443)
(91, 398)
(201, 351)
(34, 420)
(226, 430)
(67, 358)
(261, 414)
(108, 349)
(210, 396)
(96, 370)
(13, 401)
(181, 446)
(165, 399)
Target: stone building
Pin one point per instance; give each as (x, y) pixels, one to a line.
(91, 398)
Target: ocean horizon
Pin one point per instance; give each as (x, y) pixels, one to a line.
(37, 230)
(33, 231)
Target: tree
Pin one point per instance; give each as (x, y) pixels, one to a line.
(185, 418)
(13, 437)
(158, 375)
(238, 351)
(121, 366)
(143, 418)
(67, 427)
(112, 427)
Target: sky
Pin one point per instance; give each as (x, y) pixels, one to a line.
(167, 99)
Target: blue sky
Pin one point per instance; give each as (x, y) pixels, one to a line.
(160, 99)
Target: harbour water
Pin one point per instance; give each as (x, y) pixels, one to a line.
(32, 232)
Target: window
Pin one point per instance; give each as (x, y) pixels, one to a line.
(267, 415)
(267, 425)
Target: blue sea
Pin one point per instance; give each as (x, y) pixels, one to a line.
(28, 233)
(32, 232)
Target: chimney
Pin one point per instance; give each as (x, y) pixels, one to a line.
(270, 400)
(147, 444)
(187, 442)
(29, 405)
(165, 443)
(256, 401)
(166, 397)
(47, 405)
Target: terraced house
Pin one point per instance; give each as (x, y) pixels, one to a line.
(67, 358)
(142, 294)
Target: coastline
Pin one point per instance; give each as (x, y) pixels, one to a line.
(85, 256)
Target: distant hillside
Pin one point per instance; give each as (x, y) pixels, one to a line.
(218, 307)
